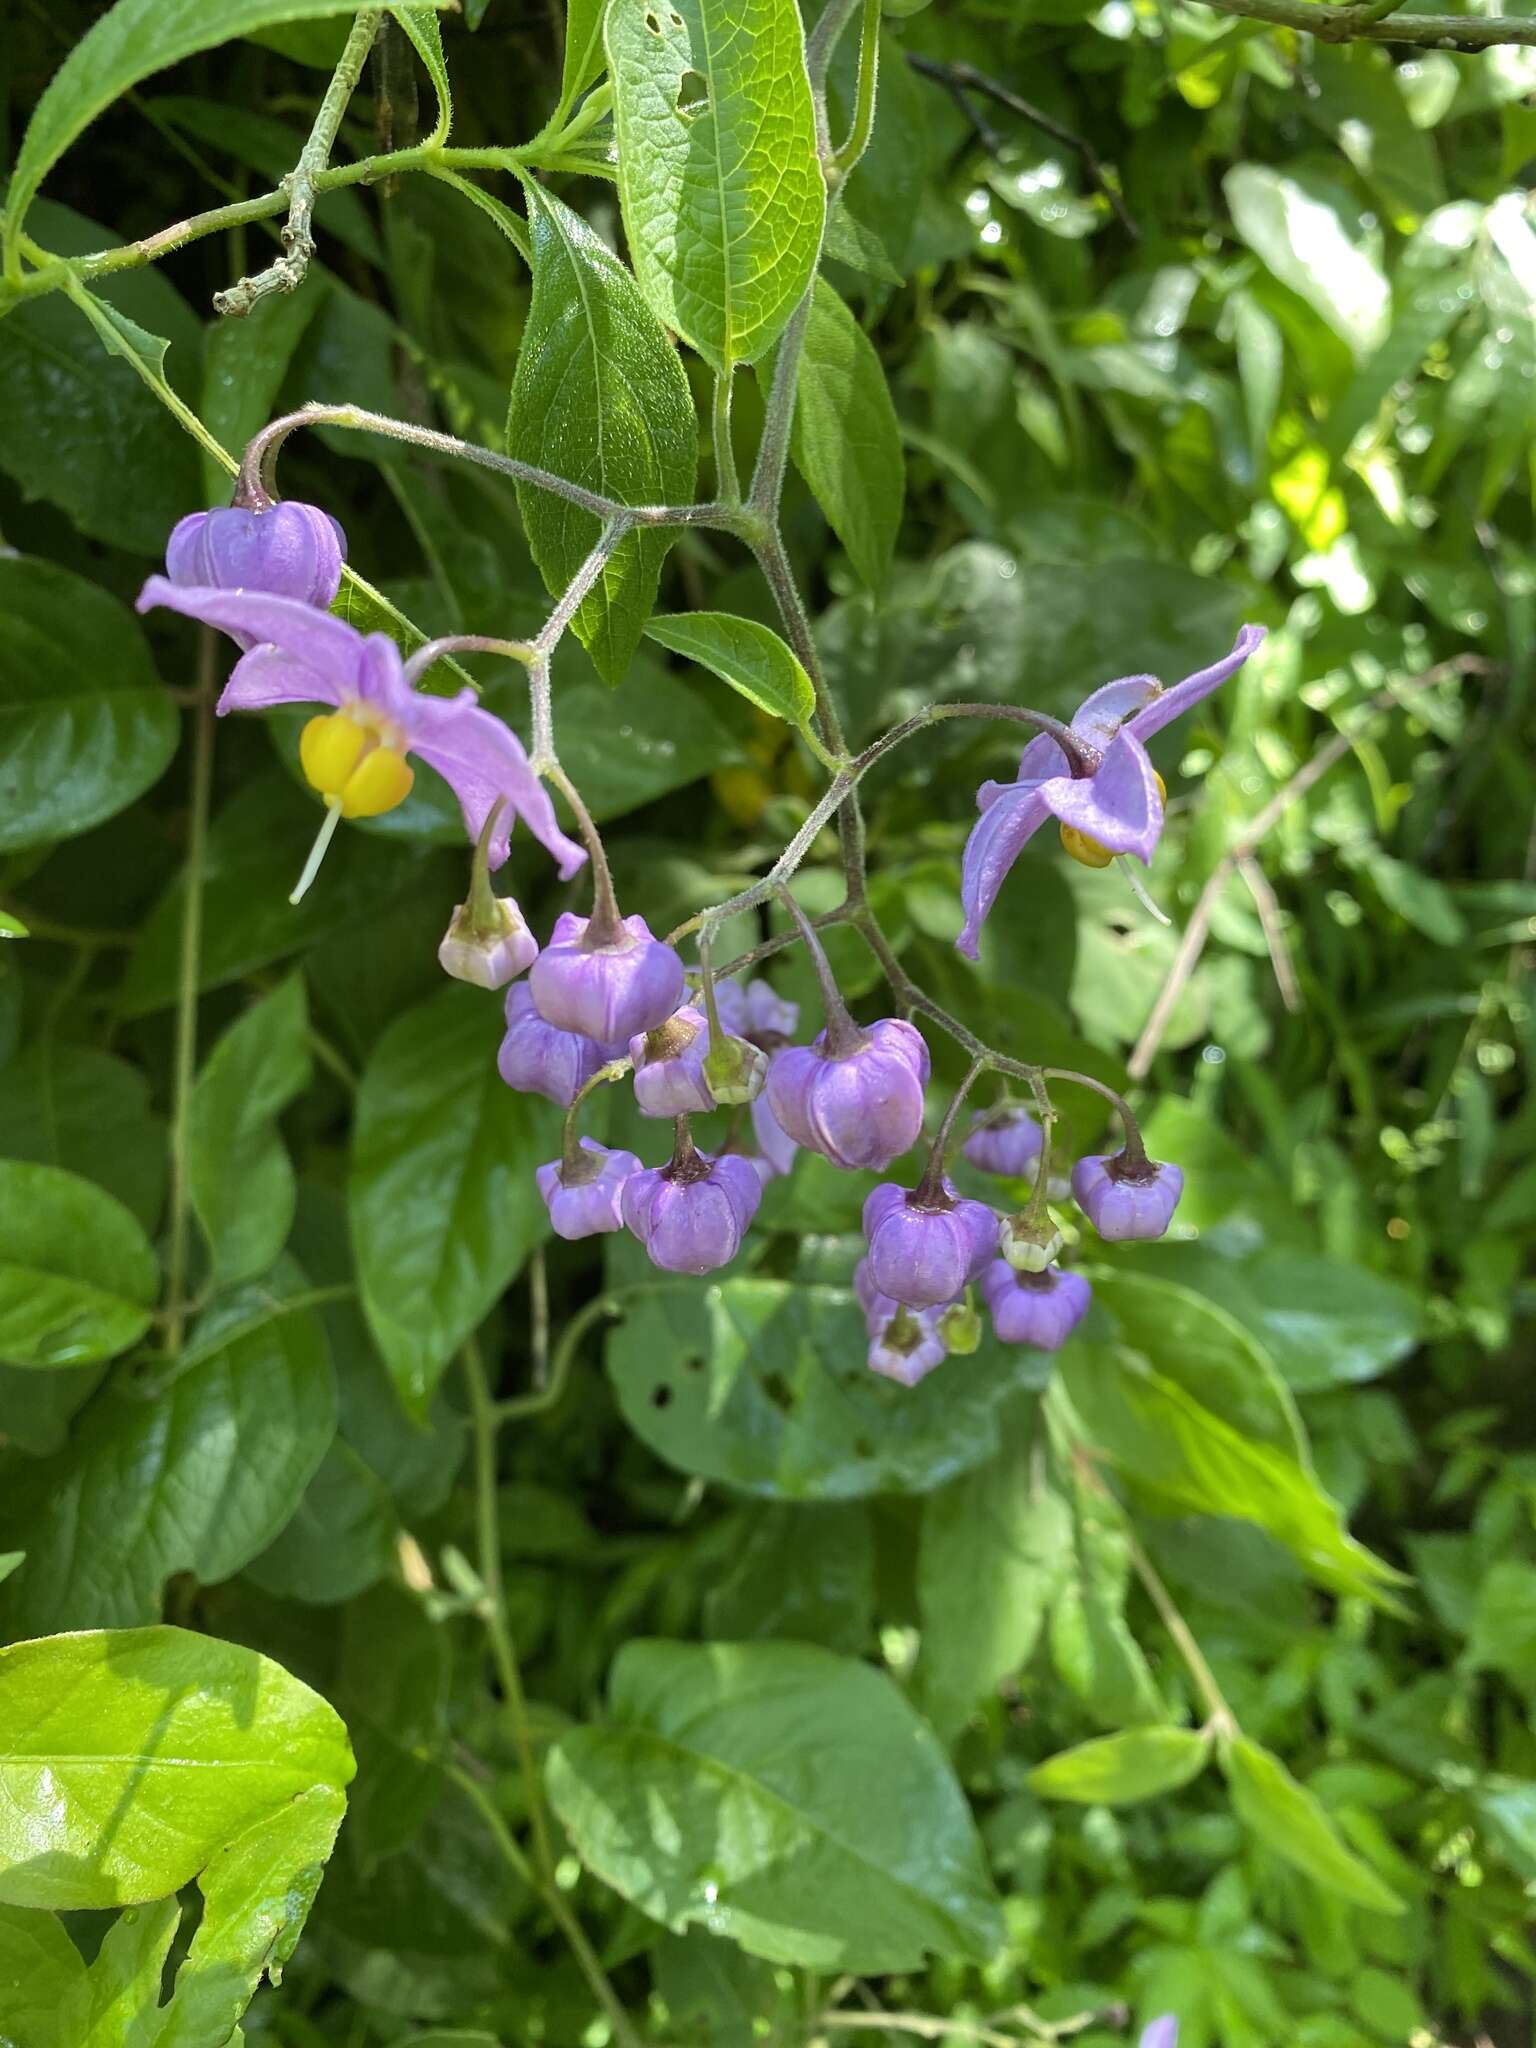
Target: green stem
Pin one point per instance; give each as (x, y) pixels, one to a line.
(727, 482)
(1221, 1715)
(189, 974)
(564, 1358)
(864, 106)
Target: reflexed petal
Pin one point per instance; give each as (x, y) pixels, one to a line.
(329, 647)
(1100, 716)
(266, 677)
(1171, 704)
(481, 759)
(1118, 805)
(997, 839)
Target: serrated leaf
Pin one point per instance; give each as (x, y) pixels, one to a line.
(600, 398)
(78, 1277)
(846, 441)
(239, 1174)
(719, 179)
(1119, 1770)
(1289, 1820)
(783, 1796)
(750, 657)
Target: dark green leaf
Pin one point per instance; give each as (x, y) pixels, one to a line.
(239, 1175)
(78, 1277)
(341, 1538)
(846, 442)
(750, 657)
(68, 1105)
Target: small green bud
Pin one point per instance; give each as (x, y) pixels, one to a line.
(959, 1328)
(735, 1071)
(1029, 1243)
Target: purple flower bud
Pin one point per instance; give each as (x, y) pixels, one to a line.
(861, 1110)
(1163, 2033)
(1124, 1201)
(611, 991)
(538, 1058)
(1004, 1141)
(778, 1149)
(692, 1218)
(1042, 1309)
(905, 1347)
(583, 1197)
(878, 1308)
(1029, 1243)
(489, 956)
(284, 550)
(923, 1253)
(669, 1065)
(756, 1012)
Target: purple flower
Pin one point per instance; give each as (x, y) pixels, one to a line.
(609, 989)
(1163, 2033)
(1042, 1309)
(924, 1251)
(1113, 802)
(861, 1110)
(756, 1013)
(582, 1196)
(538, 1058)
(691, 1217)
(1004, 1141)
(286, 550)
(489, 956)
(905, 1347)
(1123, 1199)
(355, 755)
(669, 1065)
(777, 1147)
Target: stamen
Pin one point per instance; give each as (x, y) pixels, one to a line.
(1139, 891)
(317, 851)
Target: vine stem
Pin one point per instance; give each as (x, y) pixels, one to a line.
(188, 976)
(1221, 1717)
(484, 1420)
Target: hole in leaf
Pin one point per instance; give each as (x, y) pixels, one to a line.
(661, 1397)
(653, 24)
(694, 1364)
(779, 1391)
(675, 19)
(692, 94)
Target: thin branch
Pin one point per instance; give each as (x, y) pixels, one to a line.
(1267, 904)
(1466, 33)
(960, 79)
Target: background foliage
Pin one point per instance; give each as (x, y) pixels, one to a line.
(828, 1682)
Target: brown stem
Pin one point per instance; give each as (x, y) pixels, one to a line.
(929, 1192)
(843, 1036)
(605, 927)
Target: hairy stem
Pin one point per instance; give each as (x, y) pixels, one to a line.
(931, 1187)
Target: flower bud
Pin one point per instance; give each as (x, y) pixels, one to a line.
(284, 550)
(693, 1219)
(1004, 1141)
(582, 1196)
(1124, 1201)
(734, 1071)
(669, 1065)
(489, 953)
(756, 1012)
(611, 990)
(1029, 1243)
(538, 1058)
(1042, 1308)
(959, 1327)
(925, 1253)
(862, 1109)
(906, 1347)
(774, 1143)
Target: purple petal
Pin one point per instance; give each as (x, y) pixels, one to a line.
(1100, 715)
(482, 759)
(1118, 805)
(1163, 2033)
(997, 839)
(1171, 704)
(266, 677)
(329, 647)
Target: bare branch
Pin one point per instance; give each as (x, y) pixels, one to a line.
(1466, 33)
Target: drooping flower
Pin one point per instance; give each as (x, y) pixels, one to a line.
(1004, 1141)
(286, 550)
(1125, 1198)
(1110, 796)
(538, 1058)
(610, 986)
(1029, 1240)
(669, 1065)
(926, 1246)
(487, 954)
(354, 755)
(757, 1013)
(907, 1346)
(1042, 1309)
(862, 1107)
(775, 1145)
(692, 1214)
(582, 1195)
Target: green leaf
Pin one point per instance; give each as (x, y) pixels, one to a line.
(78, 1277)
(1091, 1643)
(750, 657)
(585, 57)
(341, 1539)
(784, 1797)
(1289, 1820)
(444, 1206)
(128, 43)
(995, 1551)
(599, 398)
(40, 1967)
(1119, 1770)
(721, 187)
(130, 1758)
(846, 442)
(244, 364)
(71, 1106)
(197, 1478)
(117, 2003)
(422, 25)
(763, 1386)
(805, 1572)
(1309, 235)
(86, 725)
(239, 1173)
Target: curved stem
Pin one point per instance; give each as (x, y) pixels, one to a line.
(1135, 1150)
(605, 906)
(575, 592)
(842, 1034)
(570, 1142)
(564, 1357)
(418, 663)
(930, 1189)
(864, 104)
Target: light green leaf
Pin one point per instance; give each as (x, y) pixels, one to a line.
(117, 2003)
(128, 43)
(239, 1172)
(444, 1206)
(425, 30)
(1289, 1820)
(197, 1478)
(39, 1969)
(1119, 1770)
(86, 725)
(1309, 236)
(78, 1277)
(719, 180)
(782, 1796)
(585, 57)
(750, 657)
(599, 398)
(129, 1758)
(1092, 1645)
(846, 442)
